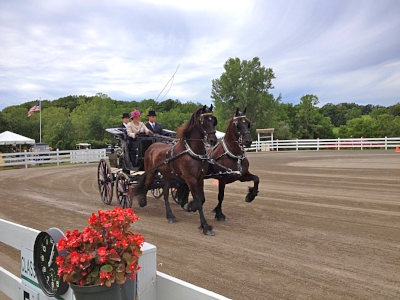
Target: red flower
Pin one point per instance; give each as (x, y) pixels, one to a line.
(74, 257)
(103, 252)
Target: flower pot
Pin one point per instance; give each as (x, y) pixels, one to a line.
(126, 291)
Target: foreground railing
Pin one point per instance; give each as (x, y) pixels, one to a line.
(151, 284)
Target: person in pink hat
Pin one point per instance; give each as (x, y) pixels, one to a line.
(136, 127)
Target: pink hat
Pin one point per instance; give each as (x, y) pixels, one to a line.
(135, 113)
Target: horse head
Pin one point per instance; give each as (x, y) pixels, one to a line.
(242, 128)
(208, 122)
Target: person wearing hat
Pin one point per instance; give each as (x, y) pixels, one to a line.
(153, 125)
(136, 127)
(125, 120)
(133, 129)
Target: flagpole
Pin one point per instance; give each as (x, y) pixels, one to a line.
(40, 124)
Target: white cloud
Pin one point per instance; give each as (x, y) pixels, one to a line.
(341, 51)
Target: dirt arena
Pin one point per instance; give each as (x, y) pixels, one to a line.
(326, 225)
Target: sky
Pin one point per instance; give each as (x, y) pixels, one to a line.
(339, 50)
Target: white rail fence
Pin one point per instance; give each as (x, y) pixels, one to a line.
(29, 159)
(151, 284)
(326, 144)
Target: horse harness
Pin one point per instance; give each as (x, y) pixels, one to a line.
(170, 157)
(238, 158)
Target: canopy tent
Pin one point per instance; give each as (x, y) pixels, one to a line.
(9, 138)
(219, 134)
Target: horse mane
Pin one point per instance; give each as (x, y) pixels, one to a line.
(184, 131)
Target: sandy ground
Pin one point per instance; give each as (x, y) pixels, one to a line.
(326, 225)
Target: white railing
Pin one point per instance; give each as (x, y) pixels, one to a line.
(322, 144)
(29, 159)
(151, 284)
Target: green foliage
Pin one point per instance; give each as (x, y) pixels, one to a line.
(394, 110)
(282, 131)
(244, 84)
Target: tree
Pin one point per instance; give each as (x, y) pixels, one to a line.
(244, 84)
(394, 110)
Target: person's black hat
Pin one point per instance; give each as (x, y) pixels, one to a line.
(125, 115)
(152, 113)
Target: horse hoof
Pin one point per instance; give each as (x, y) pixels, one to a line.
(142, 203)
(249, 198)
(209, 232)
(220, 219)
(187, 207)
(171, 220)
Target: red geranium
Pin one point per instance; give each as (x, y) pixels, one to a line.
(104, 252)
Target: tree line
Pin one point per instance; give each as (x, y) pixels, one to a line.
(73, 119)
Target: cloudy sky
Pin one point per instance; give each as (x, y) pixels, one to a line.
(339, 50)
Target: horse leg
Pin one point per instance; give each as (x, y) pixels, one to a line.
(253, 191)
(197, 190)
(218, 209)
(144, 185)
(170, 216)
(183, 195)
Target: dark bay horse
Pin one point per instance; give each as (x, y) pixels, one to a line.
(186, 160)
(229, 162)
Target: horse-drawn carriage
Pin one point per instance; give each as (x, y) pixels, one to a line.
(180, 165)
(122, 172)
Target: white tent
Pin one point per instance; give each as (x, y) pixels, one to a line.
(219, 134)
(9, 138)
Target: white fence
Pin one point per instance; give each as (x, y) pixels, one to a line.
(321, 144)
(151, 284)
(58, 157)
(28, 159)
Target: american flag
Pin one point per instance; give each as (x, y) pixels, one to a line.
(34, 109)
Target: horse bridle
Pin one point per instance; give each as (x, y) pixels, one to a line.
(201, 119)
(240, 138)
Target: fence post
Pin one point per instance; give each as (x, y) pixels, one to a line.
(385, 142)
(297, 144)
(362, 142)
(317, 144)
(26, 160)
(338, 143)
(58, 158)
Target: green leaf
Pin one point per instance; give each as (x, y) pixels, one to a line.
(106, 268)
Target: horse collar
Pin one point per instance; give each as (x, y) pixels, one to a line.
(195, 155)
(230, 154)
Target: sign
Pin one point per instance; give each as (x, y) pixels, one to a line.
(30, 289)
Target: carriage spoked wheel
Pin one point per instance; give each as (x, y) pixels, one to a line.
(105, 181)
(174, 194)
(157, 192)
(122, 191)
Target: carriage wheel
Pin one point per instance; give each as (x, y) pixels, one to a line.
(174, 193)
(122, 191)
(105, 181)
(157, 192)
